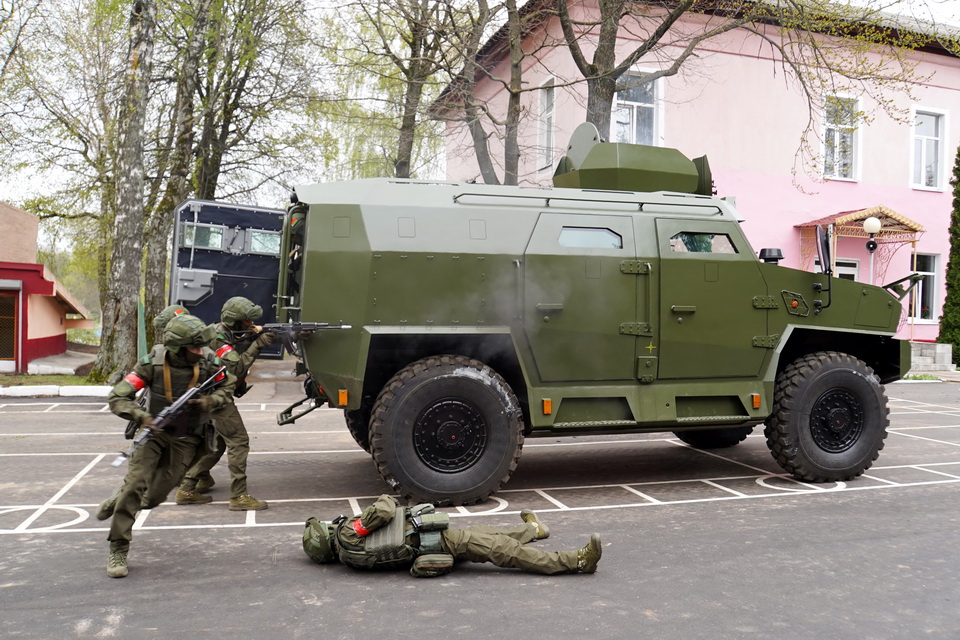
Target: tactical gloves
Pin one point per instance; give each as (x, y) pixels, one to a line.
(203, 404)
(265, 340)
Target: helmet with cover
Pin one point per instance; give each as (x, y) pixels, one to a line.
(165, 316)
(318, 541)
(187, 331)
(239, 309)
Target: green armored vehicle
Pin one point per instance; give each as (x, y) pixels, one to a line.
(464, 318)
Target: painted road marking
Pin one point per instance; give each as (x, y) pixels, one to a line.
(502, 504)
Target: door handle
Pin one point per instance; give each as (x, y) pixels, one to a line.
(547, 307)
(679, 308)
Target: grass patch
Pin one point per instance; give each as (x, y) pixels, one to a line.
(60, 380)
(920, 376)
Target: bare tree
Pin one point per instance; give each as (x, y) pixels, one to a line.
(794, 31)
(519, 40)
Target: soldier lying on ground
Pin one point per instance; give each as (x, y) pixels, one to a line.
(388, 536)
(158, 465)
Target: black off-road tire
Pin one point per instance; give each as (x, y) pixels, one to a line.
(714, 438)
(829, 419)
(358, 424)
(447, 430)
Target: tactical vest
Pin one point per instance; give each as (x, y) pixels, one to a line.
(389, 546)
(181, 378)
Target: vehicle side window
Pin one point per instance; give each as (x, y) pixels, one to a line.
(203, 236)
(590, 238)
(264, 242)
(696, 242)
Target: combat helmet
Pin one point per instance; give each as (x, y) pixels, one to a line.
(186, 330)
(165, 316)
(239, 309)
(318, 541)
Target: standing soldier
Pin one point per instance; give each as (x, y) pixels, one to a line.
(237, 344)
(157, 466)
(388, 536)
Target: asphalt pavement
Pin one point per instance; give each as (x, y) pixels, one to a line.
(697, 544)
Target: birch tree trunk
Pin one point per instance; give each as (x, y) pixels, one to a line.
(160, 224)
(118, 344)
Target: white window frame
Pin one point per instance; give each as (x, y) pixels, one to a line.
(845, 267)
(830, 173)
(929, 282)
(547, 125)
(941, 150)
(656, 138)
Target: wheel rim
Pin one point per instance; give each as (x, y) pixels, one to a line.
(450, 435)
(836, 421)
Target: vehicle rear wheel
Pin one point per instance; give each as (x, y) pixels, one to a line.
(714, 438)
(447, 430)
(829, 419)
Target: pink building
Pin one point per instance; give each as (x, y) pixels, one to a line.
(733, 103)
(34, 307)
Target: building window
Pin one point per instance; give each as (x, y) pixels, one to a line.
(922, 297)
(635, 111)
(545, 142)
(840, 138)
(927, 143)
(848, 269)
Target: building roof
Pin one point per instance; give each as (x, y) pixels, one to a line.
(36, 279)
(891, 221)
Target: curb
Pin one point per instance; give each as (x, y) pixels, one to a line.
(44, 390)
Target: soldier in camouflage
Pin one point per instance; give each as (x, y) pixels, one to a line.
(237, 343)
(154, 469)
(388, 536)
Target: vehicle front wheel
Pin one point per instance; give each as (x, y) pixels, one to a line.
(829, 419)
(447, 430)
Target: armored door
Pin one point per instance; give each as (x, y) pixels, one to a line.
(710, 325)
(576, 297)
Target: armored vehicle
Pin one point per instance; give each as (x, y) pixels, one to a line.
(462, 319)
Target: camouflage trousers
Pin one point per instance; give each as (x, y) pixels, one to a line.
(232, 438)
(154, 470)
(507, 547)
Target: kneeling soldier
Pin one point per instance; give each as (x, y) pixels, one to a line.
(388, 536)
(157, 466)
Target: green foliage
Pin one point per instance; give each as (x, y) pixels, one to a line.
(950, 320)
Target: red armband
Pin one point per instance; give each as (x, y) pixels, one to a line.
(360, 529)
(135, 381)
(225, 349)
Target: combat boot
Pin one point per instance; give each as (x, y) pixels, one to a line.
(247, 502)
(589, 556)
(117, 563)
(105, 509)
(543, 531)
(192, 497)
(205, 483)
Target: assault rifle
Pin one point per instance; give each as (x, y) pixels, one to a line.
(290, 332)
(167, 415)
